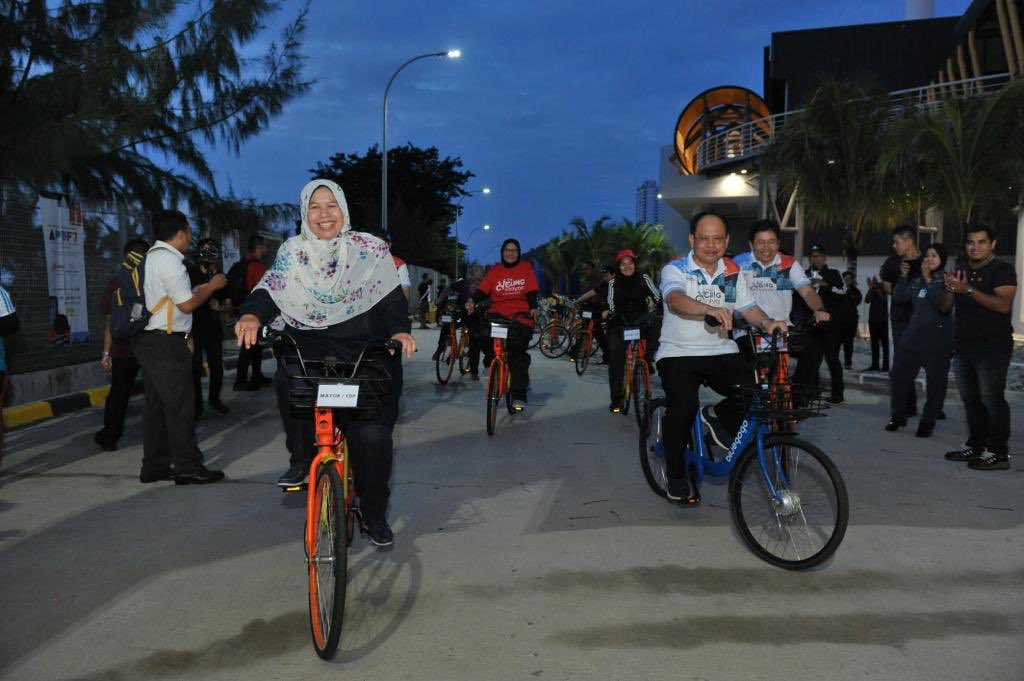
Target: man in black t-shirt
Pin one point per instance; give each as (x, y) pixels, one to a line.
(983, 293)
(904, 242)
(821, 341)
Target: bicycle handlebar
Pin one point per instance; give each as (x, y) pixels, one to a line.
(389, 345)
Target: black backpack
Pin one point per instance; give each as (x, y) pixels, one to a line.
(129, 313)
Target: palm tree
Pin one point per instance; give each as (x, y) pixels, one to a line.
(971, 153)
(651, 245)
(594, 238)
(559, 258)
(829, 151)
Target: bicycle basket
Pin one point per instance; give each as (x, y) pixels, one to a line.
(782, 402)
(372, 379)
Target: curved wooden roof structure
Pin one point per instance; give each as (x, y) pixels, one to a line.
(711, 112)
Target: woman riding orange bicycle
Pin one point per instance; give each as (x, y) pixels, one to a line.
(630, 296)
(512, 288)
(335, 289)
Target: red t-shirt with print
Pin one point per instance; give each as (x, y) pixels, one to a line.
(507, 288)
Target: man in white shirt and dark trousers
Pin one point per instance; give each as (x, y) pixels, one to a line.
(691, 352)
(169, 447)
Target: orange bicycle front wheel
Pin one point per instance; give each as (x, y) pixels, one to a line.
(327, 551)
(493, 394)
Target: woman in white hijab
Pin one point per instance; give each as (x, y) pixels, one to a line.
(335, 289)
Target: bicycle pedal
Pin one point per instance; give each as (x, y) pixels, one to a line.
(295, 488)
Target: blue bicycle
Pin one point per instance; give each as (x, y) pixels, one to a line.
(787, 498)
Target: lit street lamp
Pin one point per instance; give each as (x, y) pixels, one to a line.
(486, 228)
(458, 210)
(451, 54)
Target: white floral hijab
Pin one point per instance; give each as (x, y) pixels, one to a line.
(317, 283)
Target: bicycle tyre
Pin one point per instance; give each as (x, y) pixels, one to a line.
(639, 398)
(805, 475)
(583, 354)
(492, 397)
(552, 340)
(652, 450)
(627, 390)
(445, 362)
(463, 354)
(328, 564)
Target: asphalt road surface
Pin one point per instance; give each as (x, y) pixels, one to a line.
(538, 553)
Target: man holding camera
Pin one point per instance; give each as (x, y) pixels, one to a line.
(906, 262)
(207, 329)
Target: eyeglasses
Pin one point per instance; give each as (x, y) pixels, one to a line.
(510, 250)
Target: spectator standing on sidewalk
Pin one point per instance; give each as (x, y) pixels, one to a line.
(250, 358)
(169, 447)
(904, 243)
(878, 324)
(425, 293)
(983, 293)
(926, 342)
(207, 329)
(822, 341)
(8, 325)
(119, 363)
(851, 318)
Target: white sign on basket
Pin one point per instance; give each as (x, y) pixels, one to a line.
(587, 315)
(498, 331)
(337, 395)
(764, 344)
(631, 334)
(446, 319)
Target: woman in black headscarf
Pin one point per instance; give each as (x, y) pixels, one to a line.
(630, 295)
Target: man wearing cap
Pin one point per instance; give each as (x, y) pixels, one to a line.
(821, 342)
(704, 286)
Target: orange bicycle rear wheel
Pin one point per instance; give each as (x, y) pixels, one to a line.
(493, 394)
(327, 547)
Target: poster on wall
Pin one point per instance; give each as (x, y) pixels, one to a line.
(231, 248)
(64, 245)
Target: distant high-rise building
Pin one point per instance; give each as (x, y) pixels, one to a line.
(647, 203)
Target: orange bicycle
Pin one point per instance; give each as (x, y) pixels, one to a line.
(321, 387)
(585, 347)
(499, 376)
(636, 384)
(454, 350)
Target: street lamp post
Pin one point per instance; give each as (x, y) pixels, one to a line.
(451, 54)
(471, 233)
(458, 210)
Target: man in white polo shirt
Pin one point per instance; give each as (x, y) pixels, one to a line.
(169, 447)
(703, 284)
(773, 277)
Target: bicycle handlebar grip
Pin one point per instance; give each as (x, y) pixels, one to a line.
(711, 321)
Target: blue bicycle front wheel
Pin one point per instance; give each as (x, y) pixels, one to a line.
(652, 446)
(793, 511)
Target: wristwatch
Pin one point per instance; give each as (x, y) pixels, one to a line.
(969, 291)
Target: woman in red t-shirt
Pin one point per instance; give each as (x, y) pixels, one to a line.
(512, 288)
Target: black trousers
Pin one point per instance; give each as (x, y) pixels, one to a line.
(902, 381)
(249, 358)
(981, 369)
(123, 372)
(879, 331)
(820, 343)
(517, 347)
(847, 335)
(681, 378)
(897, 332)
(169, 418)
(370, 444)
(208, 341)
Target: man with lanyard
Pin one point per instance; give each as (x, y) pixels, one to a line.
(702, 285)
(983, 344)
(164, 353)
(773, 277)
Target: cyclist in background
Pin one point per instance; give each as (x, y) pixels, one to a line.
(703, 284)
(629, 298)
(512, 287)
(593, 300)
(452, 300)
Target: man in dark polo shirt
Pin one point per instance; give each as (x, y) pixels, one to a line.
(119, 363)
(983, 293)
(904, 242)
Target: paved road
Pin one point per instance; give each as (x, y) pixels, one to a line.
(538, 553)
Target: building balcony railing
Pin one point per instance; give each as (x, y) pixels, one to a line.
(750, 139)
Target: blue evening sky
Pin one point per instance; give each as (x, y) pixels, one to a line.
(559, 107)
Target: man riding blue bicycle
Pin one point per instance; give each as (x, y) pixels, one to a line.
(692, 352)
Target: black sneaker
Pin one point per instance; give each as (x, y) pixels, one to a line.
(380, 533)
(615, 407)
(146, 477)
(836, 399)
(105, 443)
(677, 489)
(712, 427)
(965, 453)
(895, 424)
(990, 461)
(295, 475)
(198, 475)
(220, 407)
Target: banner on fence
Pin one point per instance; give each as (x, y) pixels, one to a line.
(64, 246)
